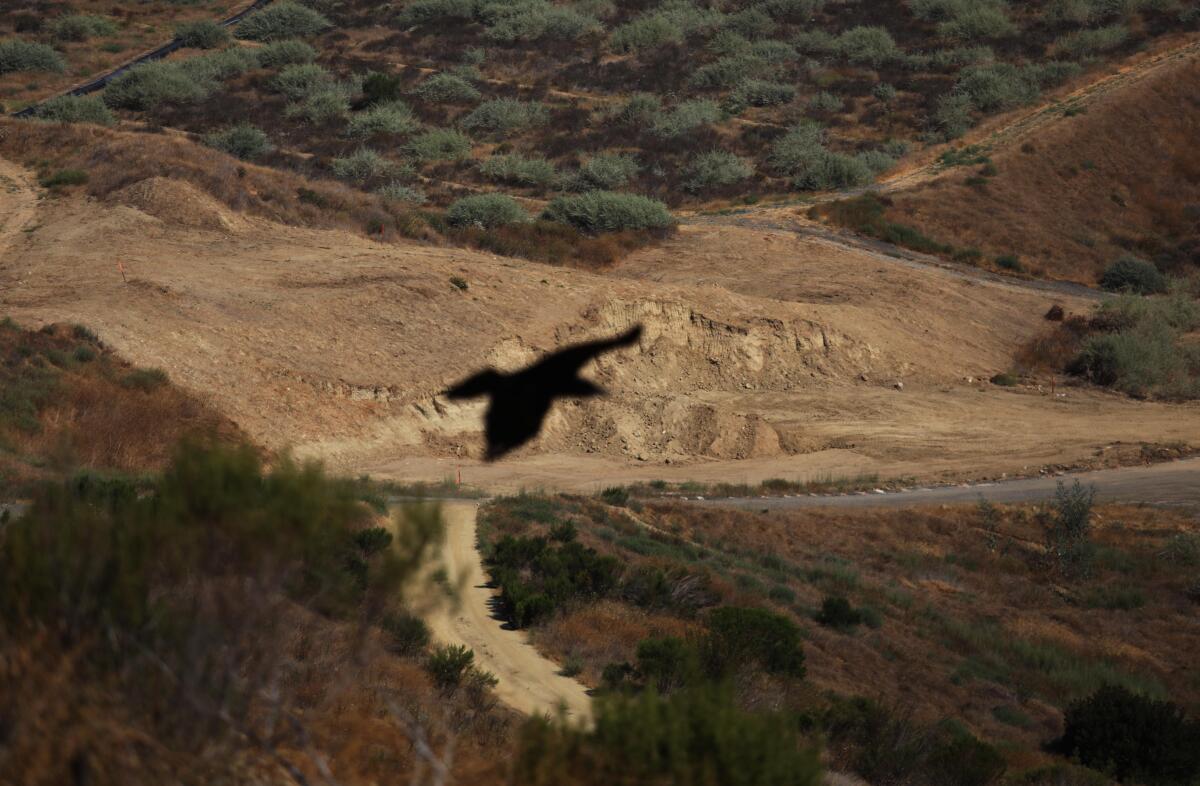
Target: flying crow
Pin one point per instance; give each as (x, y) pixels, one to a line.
(521, 400)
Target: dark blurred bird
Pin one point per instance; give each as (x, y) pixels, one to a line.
(521, 400)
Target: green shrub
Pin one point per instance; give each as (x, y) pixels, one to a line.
(300, 80)
(715, 169)
(203, 34)
(220, 65)
(606, 171)
(815, 42)
(1132, 738)
(974, 21)
(1082, 43)
(758, 92)
(669, 23)
(283, 53)
(837, 613)
(504, 116)
(667, 664)
(607, 211)
(738, 637)
(1114, 598)
(1130, 274)
(439, 144)
(997, 86)
(453, 666)
(694, 737)
(965, 761)
(392, 117)
(952, 117)
(1141, 360)
(75, 109)
(1009, 262)
(519, 170)
(536, 576)
(243, 141)
(877, 161)
(801, 154)
(407, 635)
(617, 496)
(884, 93)
(535, 20)
(1183, 549)
(81, 27)
(401, 192)
(64, 177)
(447, 89)
(422, 12)
(487, 211)
(728, 71)
(638, 111)
(796, 10)
(362, 165)
(282, 20)
(774, 52)
(825, 103)
(871, 46)
(1067, 525)
(149, 85)
(145, 379)
(752, 23)
(686, 117)
(322, 105)
(18, 55)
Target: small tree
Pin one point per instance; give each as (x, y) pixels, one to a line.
(1067, 525)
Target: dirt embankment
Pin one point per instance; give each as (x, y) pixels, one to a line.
(1100, 175)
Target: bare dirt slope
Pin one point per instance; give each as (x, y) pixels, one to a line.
(766, 353)
(528, 681)
(1104, 172)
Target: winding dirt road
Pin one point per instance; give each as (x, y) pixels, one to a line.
(528, 682)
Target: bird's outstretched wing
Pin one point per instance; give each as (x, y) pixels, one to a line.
(482, 383)
(566, 362)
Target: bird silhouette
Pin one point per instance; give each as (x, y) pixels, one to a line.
(521, 400)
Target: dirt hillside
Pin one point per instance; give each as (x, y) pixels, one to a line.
(1116, 174)
(765, 354)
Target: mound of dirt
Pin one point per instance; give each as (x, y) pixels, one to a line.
(1114, 173)
(178, 203)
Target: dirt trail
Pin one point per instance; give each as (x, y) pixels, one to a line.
(528, 682)
(18, 204)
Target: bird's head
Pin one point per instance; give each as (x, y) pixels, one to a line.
(481, 384)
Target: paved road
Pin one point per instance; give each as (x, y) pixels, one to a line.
(529, 682)
(1174, 484)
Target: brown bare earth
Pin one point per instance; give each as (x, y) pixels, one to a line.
(766, 354)
(1082, 181)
